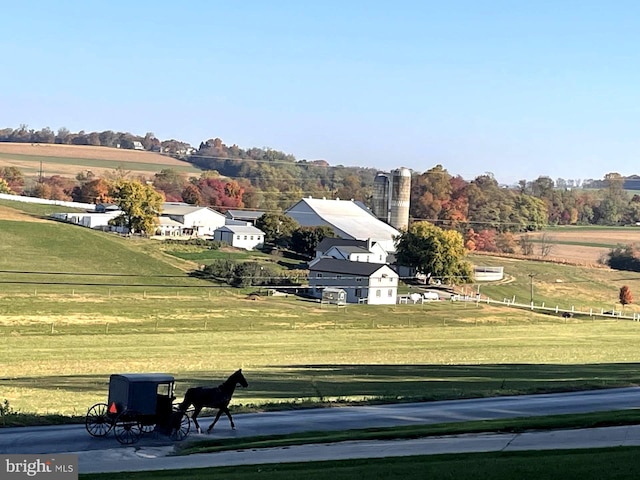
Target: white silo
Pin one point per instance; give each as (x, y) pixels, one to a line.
(381, 204)
(400, 198)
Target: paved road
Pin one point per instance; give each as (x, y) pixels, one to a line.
(156, 459)
(106, 451)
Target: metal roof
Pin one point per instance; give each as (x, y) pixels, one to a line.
(351, 249)
(346, 217)
(242, 229)
(346, 267)
(172, 209)
(330, 242)
(239, 214)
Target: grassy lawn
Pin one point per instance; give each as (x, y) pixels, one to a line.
(613, 463)
(63, 366)
(127, 305)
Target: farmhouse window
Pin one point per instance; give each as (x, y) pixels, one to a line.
(378, 293)
(318, 275)
(238, 237)
(390, 293)
(358, 292)
(245, 237)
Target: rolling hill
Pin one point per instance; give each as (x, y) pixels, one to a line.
(69, 160)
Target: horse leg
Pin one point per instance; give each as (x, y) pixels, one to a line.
(214, 422)
(228, 413)
(194, 417)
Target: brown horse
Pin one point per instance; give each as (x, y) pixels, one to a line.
(213, 397)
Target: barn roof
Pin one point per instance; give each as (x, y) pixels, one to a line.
(345, 267)
(242, 229)
(346, 217)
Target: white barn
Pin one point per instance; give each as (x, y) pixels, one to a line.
(371, 283)
(240, 236)
(347, 219)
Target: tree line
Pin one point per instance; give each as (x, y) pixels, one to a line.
(488, 215)
(106, 138)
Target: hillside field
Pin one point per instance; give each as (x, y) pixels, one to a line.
(584, 245)
(77, 305)
(69, 160)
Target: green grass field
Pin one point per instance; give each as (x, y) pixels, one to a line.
(612, 463)
(77, 305)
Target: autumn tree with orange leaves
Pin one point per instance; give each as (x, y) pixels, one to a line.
(625, 296)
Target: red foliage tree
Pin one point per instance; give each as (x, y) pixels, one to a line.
(216, 192)
(625, 296)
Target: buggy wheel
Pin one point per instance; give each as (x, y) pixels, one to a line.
(180, 426)
(148, 428)
(97, 421)
(127, 428)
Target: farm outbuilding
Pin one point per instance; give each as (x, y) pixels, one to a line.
(334, 296)
(245, 236)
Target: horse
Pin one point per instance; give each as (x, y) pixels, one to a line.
(213, 397)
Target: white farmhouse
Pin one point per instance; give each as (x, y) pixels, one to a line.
(189, 220)
(352, 250)
(240, 236)
(372, 283)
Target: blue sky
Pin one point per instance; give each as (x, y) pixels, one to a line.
(518, 89)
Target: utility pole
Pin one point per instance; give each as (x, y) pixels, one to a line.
(531, 275)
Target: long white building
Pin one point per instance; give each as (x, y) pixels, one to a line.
(347, 219)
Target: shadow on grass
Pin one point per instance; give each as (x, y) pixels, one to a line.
(379, 383)
(423, 382)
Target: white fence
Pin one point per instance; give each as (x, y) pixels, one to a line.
(20, 198)
(591, 312)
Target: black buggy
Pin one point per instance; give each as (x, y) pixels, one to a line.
(138, 403)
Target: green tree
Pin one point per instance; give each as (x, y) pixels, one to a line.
(430, 193)
(614, 201)
(140, 203)
(170, 182)
(14, 178)
(4, 186)
(277, 228)
(434, 251)
(304, 240)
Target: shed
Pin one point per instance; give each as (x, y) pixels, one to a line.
(334, 296)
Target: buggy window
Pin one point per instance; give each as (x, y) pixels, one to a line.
(164, 389)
